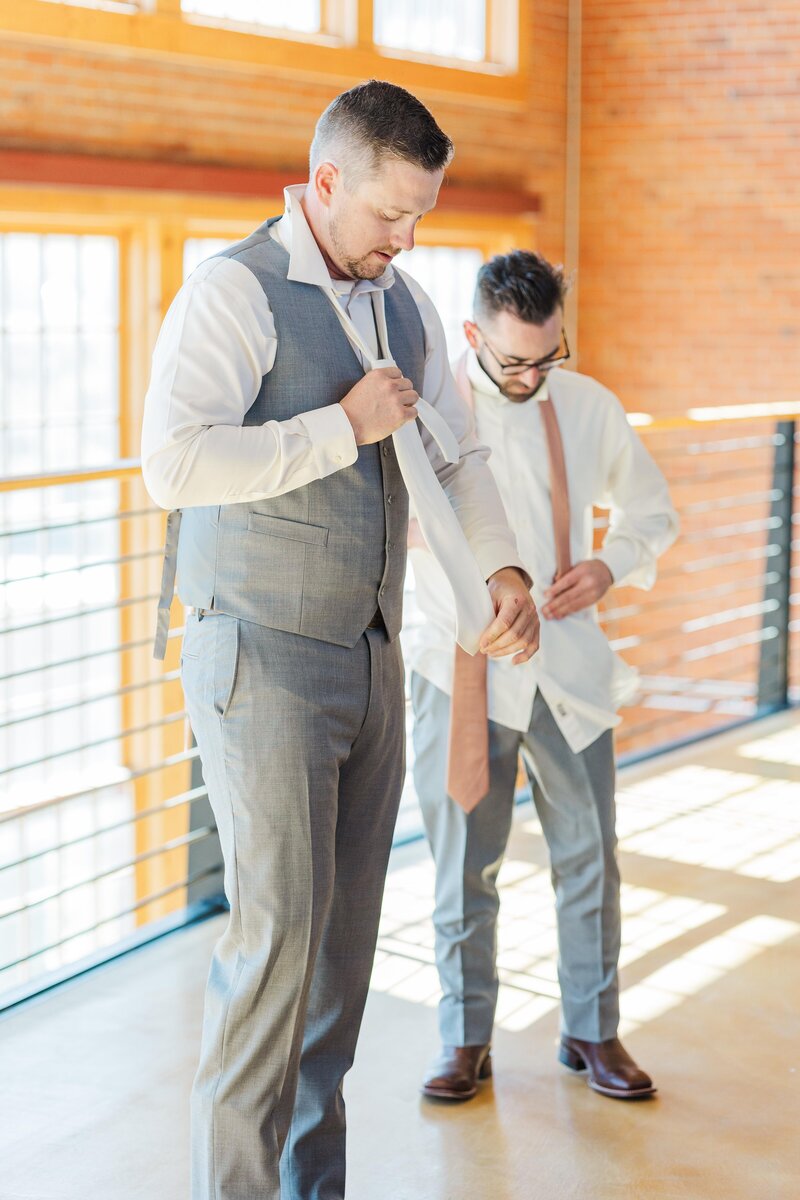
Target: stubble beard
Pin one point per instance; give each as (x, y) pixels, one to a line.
(503, 388)
(355, 268)
(521, 397)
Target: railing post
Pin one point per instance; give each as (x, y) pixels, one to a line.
(773, 667)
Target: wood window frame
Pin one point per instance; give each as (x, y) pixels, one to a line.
(342, 51)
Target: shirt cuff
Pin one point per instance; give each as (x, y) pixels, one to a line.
(497, 555)
(620, 558)
(333, 443)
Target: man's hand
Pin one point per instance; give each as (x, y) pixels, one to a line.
(381, 402)
(581, 587)
(515, 629)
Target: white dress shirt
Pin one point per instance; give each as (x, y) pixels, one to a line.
(217, 342)
(580, 677)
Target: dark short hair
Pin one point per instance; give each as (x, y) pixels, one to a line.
(522, 283)
(378, 120)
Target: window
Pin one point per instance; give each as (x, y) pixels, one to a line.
(303, 16)
(447, 274)
(60, 718)
(59, 325)
(469, 49)
(450, 28)
(197, 250)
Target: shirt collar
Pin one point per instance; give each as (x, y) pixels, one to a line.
(306, 264)
(485, 386)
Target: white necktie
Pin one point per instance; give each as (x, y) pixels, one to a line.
(439, 524)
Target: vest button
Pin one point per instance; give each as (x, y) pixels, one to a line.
(390, 545)
(389, 499)
(383, 591)
(385, 451)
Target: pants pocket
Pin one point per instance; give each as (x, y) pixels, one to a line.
(227, 638)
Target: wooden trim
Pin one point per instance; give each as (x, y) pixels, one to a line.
(93, 171)
(777, 411)
(364, 24)
(572, 200)
(16, 483)
(136, 175)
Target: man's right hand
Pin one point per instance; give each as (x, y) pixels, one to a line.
(383, 401)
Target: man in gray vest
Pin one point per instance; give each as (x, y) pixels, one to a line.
(267, 427)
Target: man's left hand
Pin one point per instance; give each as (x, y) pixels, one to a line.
(515, 629)
(581, 587)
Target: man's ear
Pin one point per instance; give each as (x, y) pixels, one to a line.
(327, 178)
(471, 333)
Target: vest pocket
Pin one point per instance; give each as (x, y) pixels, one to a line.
(282, 527)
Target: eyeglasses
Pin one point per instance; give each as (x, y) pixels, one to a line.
(543, 365)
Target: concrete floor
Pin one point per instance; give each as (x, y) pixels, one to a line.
(94, 1076)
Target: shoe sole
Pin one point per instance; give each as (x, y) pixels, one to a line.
(437, 1094)
(618, 1094)
(485, 1072)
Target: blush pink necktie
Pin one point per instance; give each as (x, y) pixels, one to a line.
(559, 494)
(468, 745)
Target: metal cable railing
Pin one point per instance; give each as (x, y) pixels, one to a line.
(712, 641)
(106, 833)
(102, 807)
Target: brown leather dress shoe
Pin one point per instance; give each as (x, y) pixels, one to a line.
(610, 1068)
(455, 1073)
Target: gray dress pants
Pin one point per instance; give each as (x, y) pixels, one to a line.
(302, 745)
(574, 798)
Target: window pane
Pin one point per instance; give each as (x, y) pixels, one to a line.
(447, 273)
(197, 250)
(302, 16)
(450, 28)
(59, 334)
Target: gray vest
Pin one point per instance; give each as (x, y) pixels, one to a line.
(319, 560)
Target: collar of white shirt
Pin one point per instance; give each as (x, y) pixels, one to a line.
(306, 264)
(485, 386)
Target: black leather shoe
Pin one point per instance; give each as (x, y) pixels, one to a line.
(455, 1073)
(610, 1068)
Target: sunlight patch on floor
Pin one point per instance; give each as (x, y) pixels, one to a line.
(700, 967)
(527, 946)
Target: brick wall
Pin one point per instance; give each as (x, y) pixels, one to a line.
(689, 285)
(690, 221)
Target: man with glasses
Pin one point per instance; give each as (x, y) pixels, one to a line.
(560, 444)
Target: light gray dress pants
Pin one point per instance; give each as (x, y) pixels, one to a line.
(574, 798)
(302, 745)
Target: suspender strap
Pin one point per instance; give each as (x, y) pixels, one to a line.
(167, 583)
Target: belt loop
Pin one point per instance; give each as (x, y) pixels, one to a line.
(167, 584)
